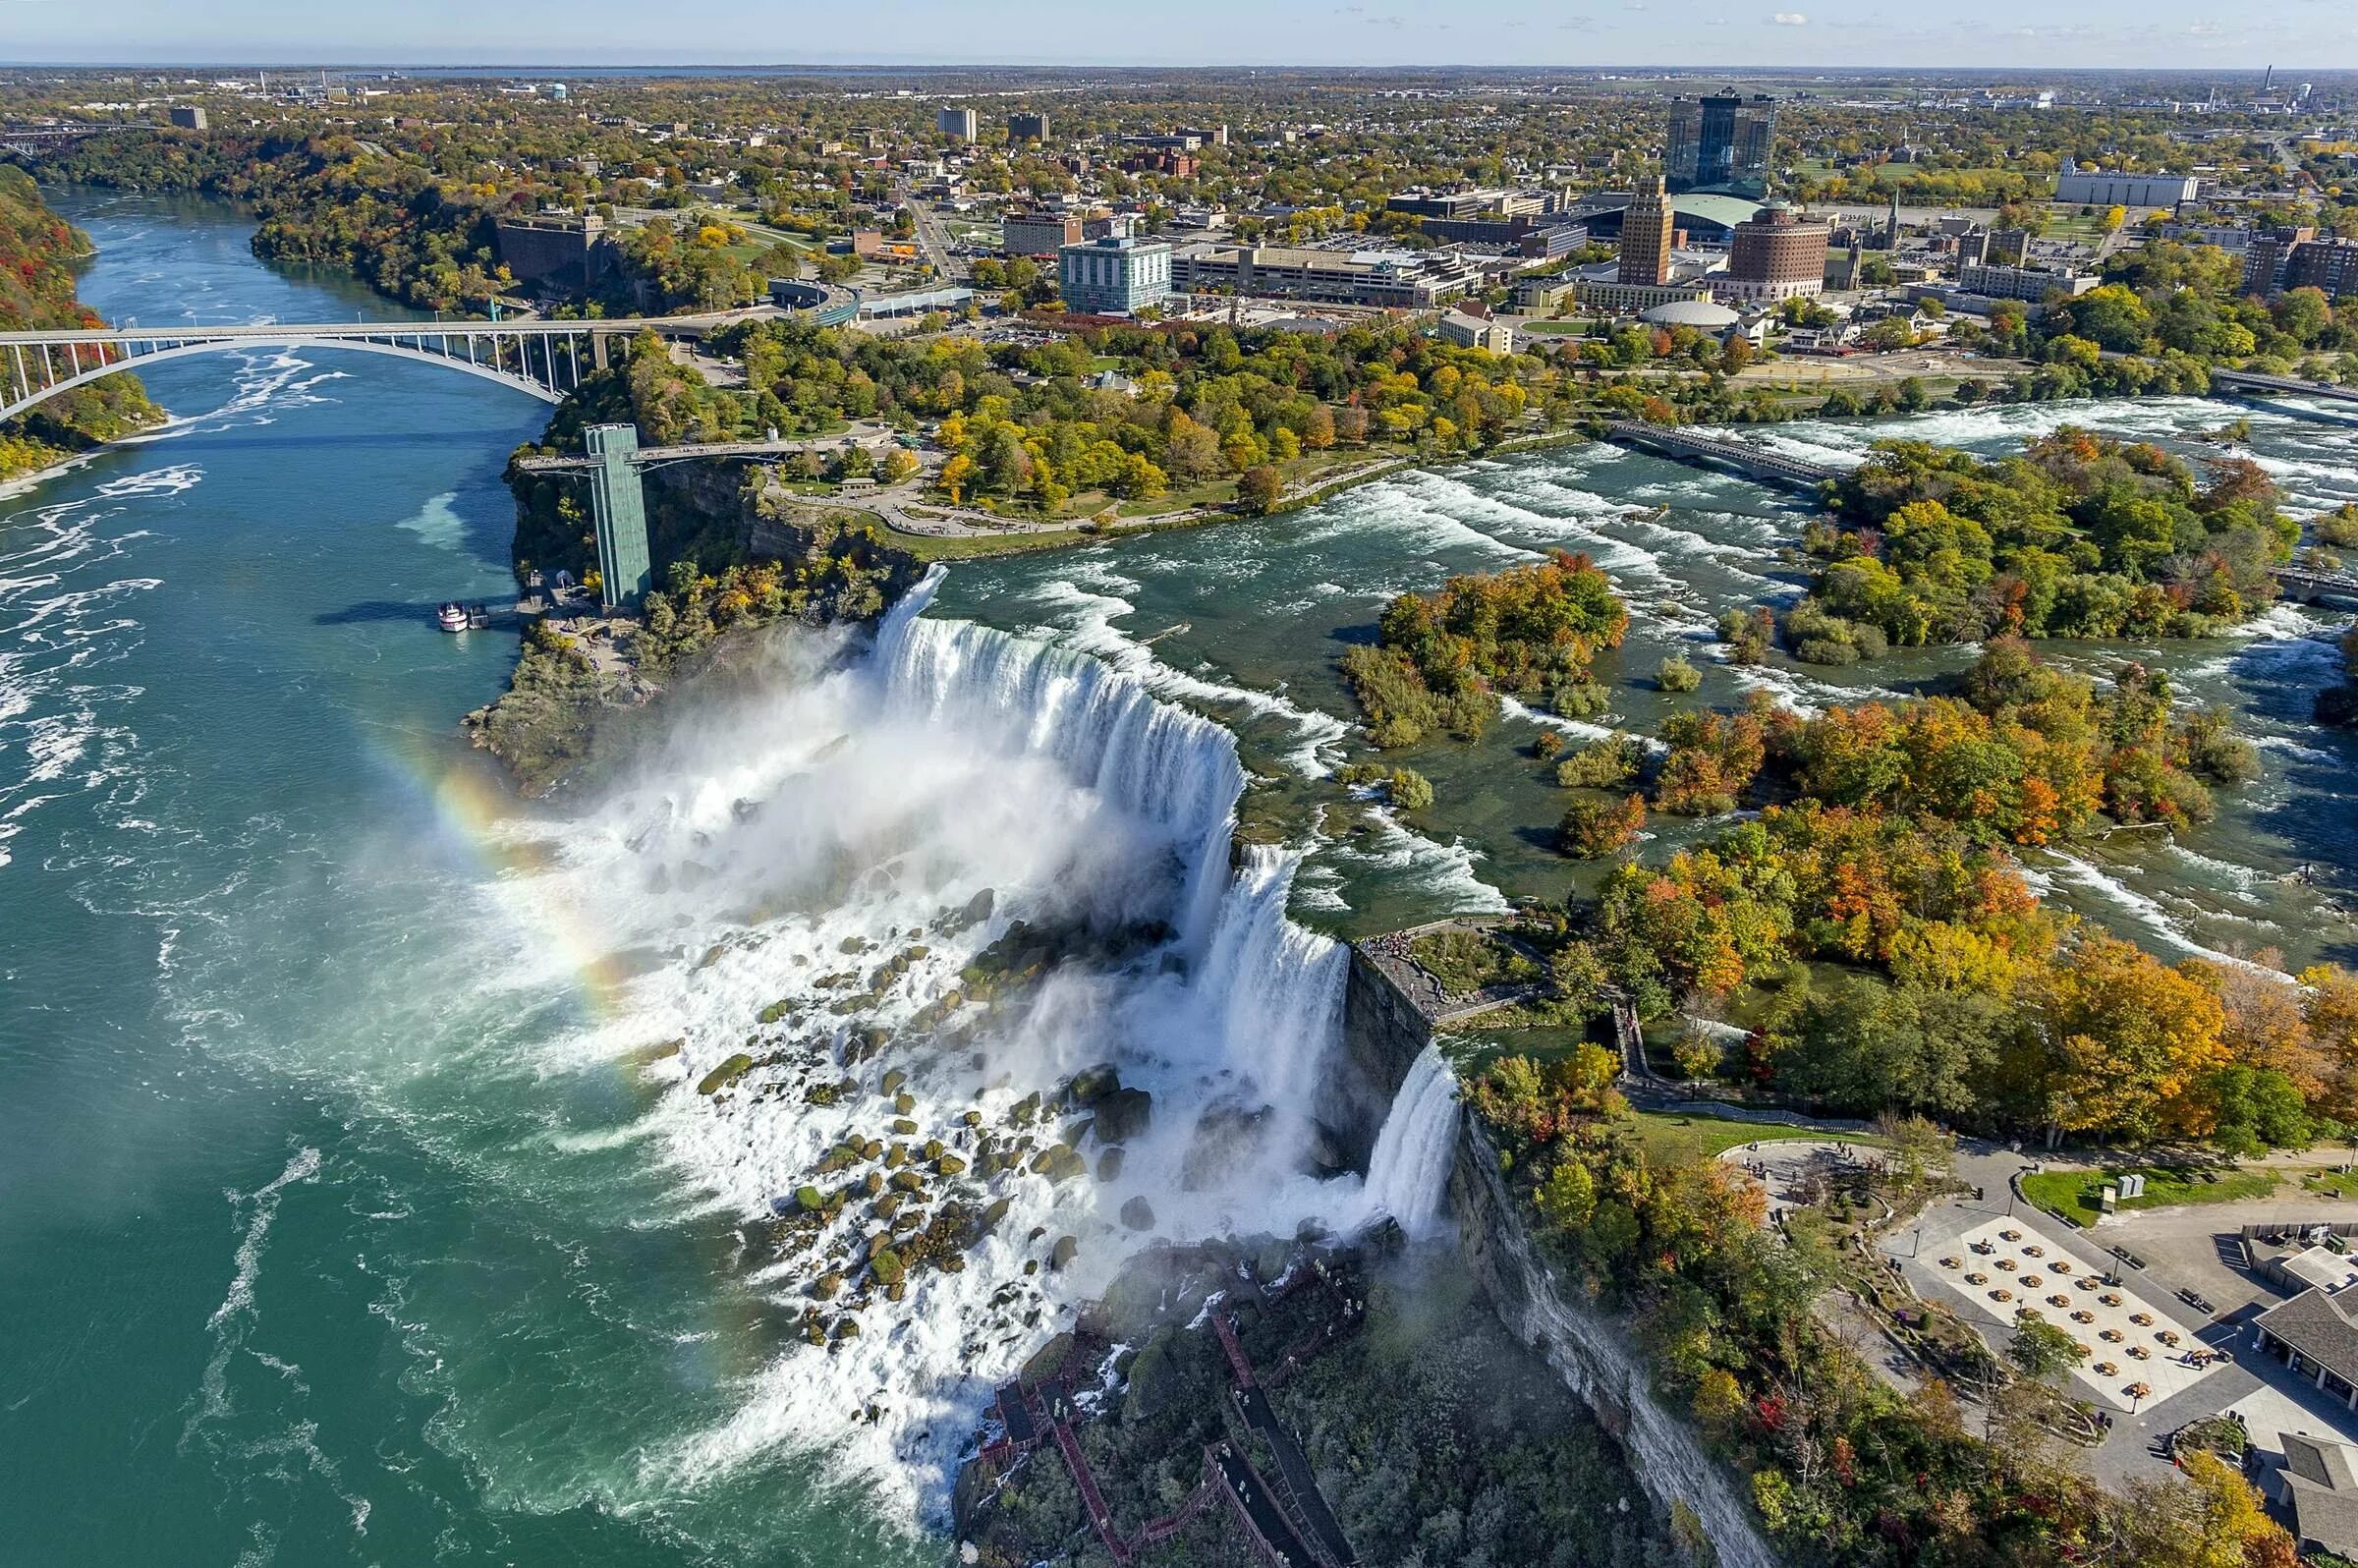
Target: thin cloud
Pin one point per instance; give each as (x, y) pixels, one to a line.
(1789, 19)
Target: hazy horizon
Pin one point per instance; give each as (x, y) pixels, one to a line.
(1609, 35)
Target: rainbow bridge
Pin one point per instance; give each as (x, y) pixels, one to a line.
(544, 359)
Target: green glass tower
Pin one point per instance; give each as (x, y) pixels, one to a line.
(618, 509)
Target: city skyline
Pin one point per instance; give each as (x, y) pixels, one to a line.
(2007, 34)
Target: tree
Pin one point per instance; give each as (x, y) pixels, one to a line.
(2041, 1349)
(2133, 1041)
(1259, 489)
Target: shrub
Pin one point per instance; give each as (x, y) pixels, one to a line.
(1601, 766)
(1675, 674)
(1411, 791)
(1592, 828)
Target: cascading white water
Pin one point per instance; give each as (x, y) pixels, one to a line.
(1409, 1174)
(1279, 989)
(1101, 728)
(804, 849)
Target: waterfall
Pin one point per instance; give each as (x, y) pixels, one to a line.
(1101, 726)
(1408, 1175)
(1276, 991)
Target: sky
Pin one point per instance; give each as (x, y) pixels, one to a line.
(2198, 35)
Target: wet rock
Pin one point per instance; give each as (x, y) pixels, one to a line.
(727, 1073)
(1093, 1084)
(949, 1166)
(1226, 1137)
(811, 1198)
(1123, 1114)
(1063, 1253)
(824, 1287)
(1138, 1214)
(1109, 1165)
(1326, 1157)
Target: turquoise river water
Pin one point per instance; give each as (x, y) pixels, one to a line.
(346, 1213)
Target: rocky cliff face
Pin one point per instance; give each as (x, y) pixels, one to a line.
(1595, 1358)
(1383, 1034)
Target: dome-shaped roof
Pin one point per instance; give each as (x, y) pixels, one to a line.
(1702, 313)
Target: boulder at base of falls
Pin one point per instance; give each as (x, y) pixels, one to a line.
(1138, 1214)
(1093, 1084)
(1122, 1115)
(1063, 1253)
(1326, 1157)
(1226, 1137)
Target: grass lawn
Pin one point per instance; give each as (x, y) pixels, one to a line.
(929, 548)
(2333, 1179)
(2075, 1195)
(1674, 1140)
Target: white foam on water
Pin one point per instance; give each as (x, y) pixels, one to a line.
(1445, 874)
(2149, 912)
(232, 1321)
(838, 814)
(438, 524)
(1580, 729)
(1321, 735)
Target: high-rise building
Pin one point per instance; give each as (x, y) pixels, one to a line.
(1720, 143)
(1646, 236)
(959, 123)
(1775, 255)
(2327, 264)
(1027, 128)
(188, 117)
(1117, 275)
(2267, 254)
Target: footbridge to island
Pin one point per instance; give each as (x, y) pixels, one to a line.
(1741, 456)
(543, 358)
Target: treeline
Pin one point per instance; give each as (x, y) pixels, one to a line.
(39, 252)
(2078, 537)
(1842, 1468)
(1442, 660)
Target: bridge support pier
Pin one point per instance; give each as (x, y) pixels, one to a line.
(618, 511)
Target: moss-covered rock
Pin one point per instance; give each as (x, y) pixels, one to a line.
(727, 1073)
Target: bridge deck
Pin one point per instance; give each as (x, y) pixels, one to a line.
(1718, 449)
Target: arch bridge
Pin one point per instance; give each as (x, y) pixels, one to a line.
(545, 359)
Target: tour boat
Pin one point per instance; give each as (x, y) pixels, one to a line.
(451, 618)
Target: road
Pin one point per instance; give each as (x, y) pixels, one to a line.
(931, 237)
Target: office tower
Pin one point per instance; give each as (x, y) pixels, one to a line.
(1720, 143)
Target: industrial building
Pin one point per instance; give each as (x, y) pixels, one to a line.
(1720, 143)
(2094, 188)
(1118, 275)
(1775, 256)
(1397, 280)
(567, 249)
